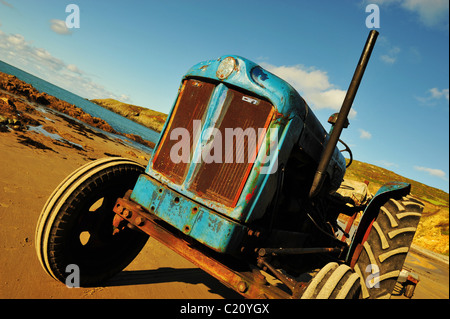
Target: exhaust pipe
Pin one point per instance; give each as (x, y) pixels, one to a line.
(343, 114)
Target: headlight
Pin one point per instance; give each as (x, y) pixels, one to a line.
(226, 67)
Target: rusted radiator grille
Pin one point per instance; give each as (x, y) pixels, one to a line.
(223, 181)
(191, 105)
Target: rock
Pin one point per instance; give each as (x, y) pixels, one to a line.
(3, 128)
(3, 120)
(13, 121)
(50, 129)
(15, 86)
(7, 106)
(42, 99)
(27, 120)
(131, 153)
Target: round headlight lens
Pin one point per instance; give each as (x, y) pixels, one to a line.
(226, 67)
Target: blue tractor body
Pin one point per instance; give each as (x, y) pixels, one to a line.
(215, 202)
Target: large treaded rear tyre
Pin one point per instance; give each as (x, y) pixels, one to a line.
(388, 242)
(76, 223)
(333, 281)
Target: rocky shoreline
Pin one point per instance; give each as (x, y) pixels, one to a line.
(18, 100)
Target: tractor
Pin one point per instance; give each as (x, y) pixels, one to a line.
(245, 183)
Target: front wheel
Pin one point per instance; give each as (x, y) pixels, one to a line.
(76, 223)
(333, 281)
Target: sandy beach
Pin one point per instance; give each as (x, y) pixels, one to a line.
(39, 148)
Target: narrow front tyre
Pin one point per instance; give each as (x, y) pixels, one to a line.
(333, 281)
(76, 229)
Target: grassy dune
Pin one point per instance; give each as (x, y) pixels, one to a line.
(146, 117)
(432, 232)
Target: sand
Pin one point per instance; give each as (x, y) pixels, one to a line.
(31, 166)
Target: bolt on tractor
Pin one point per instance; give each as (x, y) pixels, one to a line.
(245, 183)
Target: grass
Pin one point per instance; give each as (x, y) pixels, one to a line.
(433, 201)
(433, 229)
(378, 176)
(432, 232)
(144, 116)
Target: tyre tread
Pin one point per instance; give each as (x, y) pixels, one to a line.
(387, 245)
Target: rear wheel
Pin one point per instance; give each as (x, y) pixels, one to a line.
(388, 241)
(76, 223)
(333, 282)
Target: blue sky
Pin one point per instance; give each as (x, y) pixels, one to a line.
(137, 52)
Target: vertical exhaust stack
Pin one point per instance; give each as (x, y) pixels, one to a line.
(343, 113)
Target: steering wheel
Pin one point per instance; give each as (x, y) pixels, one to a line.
(347, 149)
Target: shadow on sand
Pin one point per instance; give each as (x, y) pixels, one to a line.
(168, 274)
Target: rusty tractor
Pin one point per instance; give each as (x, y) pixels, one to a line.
(246, 184)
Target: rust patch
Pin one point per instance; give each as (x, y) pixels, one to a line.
(249, 196)
(191, 105)
(256, 285)
(223, 182)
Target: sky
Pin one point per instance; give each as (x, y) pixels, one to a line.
(137, 52)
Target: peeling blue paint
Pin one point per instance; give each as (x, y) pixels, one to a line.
(197, 221)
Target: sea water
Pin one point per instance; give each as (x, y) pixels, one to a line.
(117, 122)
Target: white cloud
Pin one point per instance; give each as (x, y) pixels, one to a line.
(59, 26)
(73, 68)
(312, 84)
(7, 4)
(432, 171)
(391, 56)
(15, 50)
(391, 52)
(431, 13)
(388, 59)
(434, 95)
(44, 58)
(124, 98)
(16, 40)
(364, 134)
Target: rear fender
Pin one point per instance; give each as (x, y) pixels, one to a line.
(387, 191)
